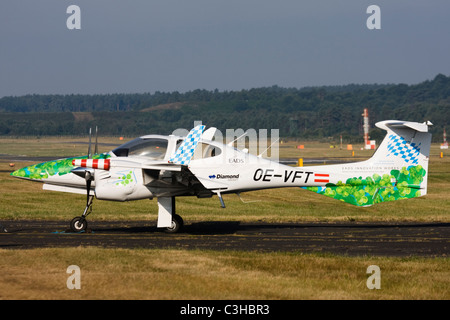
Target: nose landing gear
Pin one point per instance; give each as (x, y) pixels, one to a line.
(79, 224)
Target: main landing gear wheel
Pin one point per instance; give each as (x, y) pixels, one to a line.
(78, 224)
(177, 224)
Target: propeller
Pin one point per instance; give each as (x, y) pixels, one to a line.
(83, 171)
(89, 173)
(90, 143)
(96, 140)
(86, 172)
(89, 148)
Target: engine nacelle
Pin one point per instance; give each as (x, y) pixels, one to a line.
(121, 184)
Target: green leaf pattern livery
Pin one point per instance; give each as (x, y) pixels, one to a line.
(399, 184)
(48, 169)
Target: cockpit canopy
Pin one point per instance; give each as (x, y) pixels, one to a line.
(156, 147)
(153, 148)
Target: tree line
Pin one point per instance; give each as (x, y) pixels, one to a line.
(308, 113)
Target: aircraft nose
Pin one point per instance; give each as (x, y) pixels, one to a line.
(44, 170)
(51, 170)
(21, 173)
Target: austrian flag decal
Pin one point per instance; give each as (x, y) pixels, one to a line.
(92, 163)
(322, 177)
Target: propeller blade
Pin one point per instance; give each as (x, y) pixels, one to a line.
(96, 140)
(89, 148)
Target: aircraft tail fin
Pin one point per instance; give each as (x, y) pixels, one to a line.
(406, 143)
(397, 170)
(185, 151)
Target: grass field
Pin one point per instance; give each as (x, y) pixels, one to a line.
(182, 274)
(185, 274)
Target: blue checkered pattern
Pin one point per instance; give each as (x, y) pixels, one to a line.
(399, 147)
(186, 150)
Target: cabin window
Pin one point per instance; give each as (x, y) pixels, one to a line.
(152, 148)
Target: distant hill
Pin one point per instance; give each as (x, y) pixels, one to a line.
(307, 113)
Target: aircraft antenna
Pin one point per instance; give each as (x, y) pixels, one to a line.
(260, 155)
(231, 143)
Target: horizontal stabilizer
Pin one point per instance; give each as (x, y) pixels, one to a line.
(395, 124)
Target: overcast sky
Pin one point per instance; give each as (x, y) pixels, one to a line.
(141, 46)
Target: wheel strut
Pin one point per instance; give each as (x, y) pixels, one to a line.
(79, 224)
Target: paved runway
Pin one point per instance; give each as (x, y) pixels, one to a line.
(343, 238)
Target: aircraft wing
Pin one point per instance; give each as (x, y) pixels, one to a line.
(144, 164)
(61, 188)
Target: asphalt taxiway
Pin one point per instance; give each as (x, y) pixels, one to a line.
(342, 238)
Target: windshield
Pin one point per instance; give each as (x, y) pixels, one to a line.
(153, 148)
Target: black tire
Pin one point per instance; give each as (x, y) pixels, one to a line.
(78, 224)
(177, 224)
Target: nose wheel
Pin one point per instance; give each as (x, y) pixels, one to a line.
(79, 224)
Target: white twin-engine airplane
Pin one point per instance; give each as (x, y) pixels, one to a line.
(169, 166)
